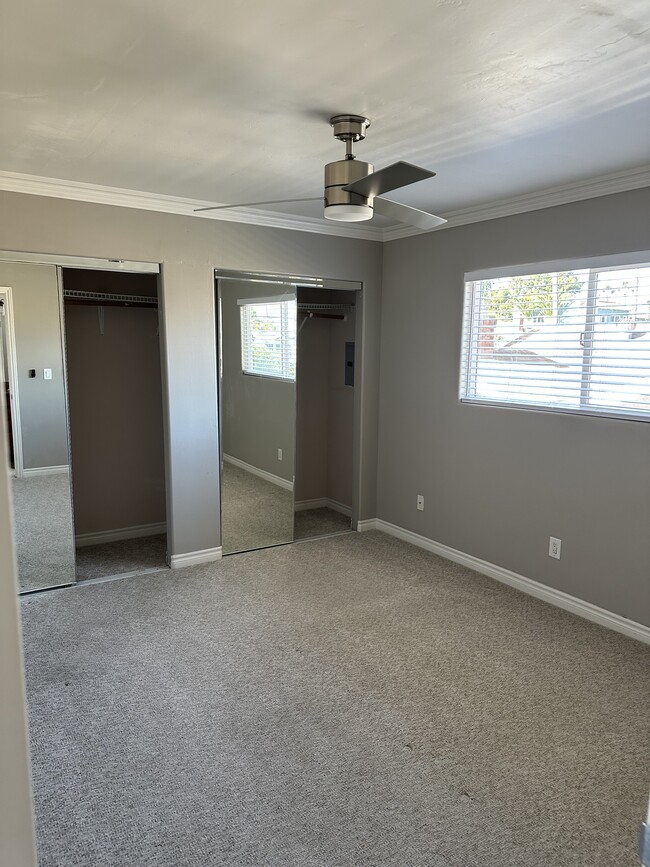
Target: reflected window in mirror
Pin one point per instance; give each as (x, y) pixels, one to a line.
(268, 337)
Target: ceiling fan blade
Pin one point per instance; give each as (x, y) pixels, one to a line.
(391, 178)
(407, 214)
(254, 204)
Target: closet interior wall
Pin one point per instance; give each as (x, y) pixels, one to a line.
(325, 404)
(115, 406)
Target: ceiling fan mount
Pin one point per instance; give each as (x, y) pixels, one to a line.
(349, 127)
(353, 190)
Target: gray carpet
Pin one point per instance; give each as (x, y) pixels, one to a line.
(259, 514)
(43, 531)
(349, 701)
(255, 513)
(319, 522)
(116, 558)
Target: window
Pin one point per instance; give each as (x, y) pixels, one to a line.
(268, 337)
(575, 339)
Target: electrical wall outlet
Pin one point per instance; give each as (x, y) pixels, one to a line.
(420, 503)
(279, 454)
(554, 547)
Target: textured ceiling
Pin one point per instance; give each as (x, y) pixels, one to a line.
(229, 101)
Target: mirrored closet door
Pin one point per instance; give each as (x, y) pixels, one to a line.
(34, 398)
(288, 411)
(257, 324)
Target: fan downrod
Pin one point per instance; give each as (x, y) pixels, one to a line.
(349, 128)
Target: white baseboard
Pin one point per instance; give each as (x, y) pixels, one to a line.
(44, 471)
(322, 503)
(268, 477)
(533, 588)
(368, 524)
(118, 535)
(194, 558)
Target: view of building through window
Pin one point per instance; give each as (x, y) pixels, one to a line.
(572, 339)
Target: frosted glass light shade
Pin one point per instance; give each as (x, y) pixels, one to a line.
(348, 213)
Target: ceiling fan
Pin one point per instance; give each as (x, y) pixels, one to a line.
(353, 190)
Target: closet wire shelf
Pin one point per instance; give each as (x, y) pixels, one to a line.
(109, 298)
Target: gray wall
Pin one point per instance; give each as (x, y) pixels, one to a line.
(258, 413)
(189, 248)
(38, 345)
(17, 838)
(116, 421)
(498, 482)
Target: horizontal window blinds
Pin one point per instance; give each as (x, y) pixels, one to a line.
(268, 338)
(577, 340)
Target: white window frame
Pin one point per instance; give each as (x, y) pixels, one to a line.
(247, 363)
(469, 336)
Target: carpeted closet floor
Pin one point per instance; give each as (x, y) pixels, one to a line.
(347, 701)
(117, 558)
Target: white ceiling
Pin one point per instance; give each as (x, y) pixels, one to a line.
(229, 100)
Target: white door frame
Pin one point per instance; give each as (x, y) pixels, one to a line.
(12, 373)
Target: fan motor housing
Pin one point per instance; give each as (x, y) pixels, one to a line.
(341, 173)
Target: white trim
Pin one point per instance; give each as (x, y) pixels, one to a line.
(45, 471)
(605, 185)
(322, 503)
(61, 189)
(367, 524)
(194, 558)
(85, 262)
(83, 540)
(268, 477)
(617, 182)
(533, 588)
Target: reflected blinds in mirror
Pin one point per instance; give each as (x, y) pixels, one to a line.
(268, 337)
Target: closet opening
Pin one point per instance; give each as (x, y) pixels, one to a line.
(289, 408)
(324, 411)
(115, 403)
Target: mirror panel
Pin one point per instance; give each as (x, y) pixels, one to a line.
(33, 379)
(258, 413)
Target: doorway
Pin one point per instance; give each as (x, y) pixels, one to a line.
(116, 421)
(289, 412)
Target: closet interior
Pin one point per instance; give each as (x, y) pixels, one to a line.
(116, 421)
(324, 411)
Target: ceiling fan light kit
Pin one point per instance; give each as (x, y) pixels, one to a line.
(353, 189)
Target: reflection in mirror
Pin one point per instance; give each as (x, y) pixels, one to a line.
(33, 382)
(257, 393)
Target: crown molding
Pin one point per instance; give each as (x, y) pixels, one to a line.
(34, 185)
(618, 182)
(604, 185)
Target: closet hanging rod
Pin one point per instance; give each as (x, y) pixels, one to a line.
(108, 298)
